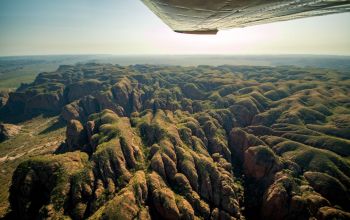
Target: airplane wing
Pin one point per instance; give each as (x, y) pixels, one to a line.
(209, 16)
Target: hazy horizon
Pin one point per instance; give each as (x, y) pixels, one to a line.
(178, 55)
(118, 28)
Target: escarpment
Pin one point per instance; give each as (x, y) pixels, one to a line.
(169, 142)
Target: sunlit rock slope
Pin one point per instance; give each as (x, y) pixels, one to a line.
(169, 142)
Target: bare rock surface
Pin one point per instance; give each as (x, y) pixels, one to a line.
(8, 130)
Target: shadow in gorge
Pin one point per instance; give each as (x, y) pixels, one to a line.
(15, 117)
(56, 125)
(39, 197)
(253, 194)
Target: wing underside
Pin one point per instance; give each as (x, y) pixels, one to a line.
(209, 16)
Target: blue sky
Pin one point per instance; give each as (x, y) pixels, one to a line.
(36, 27)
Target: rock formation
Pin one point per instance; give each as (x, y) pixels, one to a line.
(156, 142)
(8, 130)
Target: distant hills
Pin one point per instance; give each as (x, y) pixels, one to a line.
(17, 69)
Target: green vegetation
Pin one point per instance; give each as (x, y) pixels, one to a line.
(23, 74)
(168, 142)
(35, 138)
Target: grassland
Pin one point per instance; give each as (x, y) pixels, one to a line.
(12, 79)
(35, 138)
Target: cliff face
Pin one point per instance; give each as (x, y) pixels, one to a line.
(150, 142)
(3, 98)
(8, 130)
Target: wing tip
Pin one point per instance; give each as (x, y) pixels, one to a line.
(201, 32)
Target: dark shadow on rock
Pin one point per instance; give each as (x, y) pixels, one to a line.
(9, 216)
(7, 116)
(11, 118)
(57, 125)
(61, 149)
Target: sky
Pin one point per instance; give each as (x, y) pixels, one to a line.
(127, 27)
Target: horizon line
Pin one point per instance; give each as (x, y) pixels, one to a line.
(169, 54)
